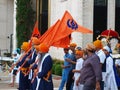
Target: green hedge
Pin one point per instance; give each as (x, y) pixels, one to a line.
(56, 69)
(53, 68)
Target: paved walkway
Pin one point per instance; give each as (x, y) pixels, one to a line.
(5, 79)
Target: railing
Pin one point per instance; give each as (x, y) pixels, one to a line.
(5, 62)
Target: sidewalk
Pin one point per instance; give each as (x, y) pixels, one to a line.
(6, 78)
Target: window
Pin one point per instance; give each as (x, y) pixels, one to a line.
(100, 17)
(43, 15)
(100, 2)
(117, 16)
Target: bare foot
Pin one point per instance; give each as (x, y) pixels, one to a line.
(12, 85)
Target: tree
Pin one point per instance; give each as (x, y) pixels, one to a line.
(25, 19)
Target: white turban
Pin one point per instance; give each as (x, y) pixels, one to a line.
(14, 52)
(106, 48)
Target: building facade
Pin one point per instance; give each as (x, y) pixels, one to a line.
(6, 25)
(97, 15)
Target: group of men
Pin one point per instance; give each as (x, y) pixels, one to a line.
(84, 69)
(91, 69)
(34, 65)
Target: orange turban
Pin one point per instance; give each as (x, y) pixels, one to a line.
(79, 52)
(42, 48)
(98, 44)
(35, 41)
(36, 47)
(25, 46)
(73, 45)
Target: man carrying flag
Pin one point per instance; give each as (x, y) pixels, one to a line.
(24, 83)
(44, 75)
(29, 60)
(33, 42)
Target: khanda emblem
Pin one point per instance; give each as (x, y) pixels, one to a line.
(72, 24)
(36, 35)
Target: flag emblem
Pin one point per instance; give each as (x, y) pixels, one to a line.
(36, 35)
(72, 24)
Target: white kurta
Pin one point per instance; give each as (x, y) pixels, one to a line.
(110, 82)
(79, 64)
(102, 57)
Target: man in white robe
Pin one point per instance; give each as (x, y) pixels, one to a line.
(110, 82)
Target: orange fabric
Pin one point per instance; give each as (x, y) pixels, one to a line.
(63, 42)
(67, 26)
(48, 36)
(35, 41)
(98, 44)
(24, 70)
(58, 34)
(73, 45)
(42, 48)
(78, 52)
(25, 46)
(35, 33)
(36, 47)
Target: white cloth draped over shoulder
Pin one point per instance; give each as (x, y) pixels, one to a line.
(110, 82)
(40, 68)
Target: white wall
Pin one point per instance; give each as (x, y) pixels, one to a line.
(6, 23)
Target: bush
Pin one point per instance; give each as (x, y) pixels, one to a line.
(58, 69)
(57, 61)
(53, 69)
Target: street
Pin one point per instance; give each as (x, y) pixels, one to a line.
(5, 79)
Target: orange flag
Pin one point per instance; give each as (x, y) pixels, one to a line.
(67, 26)
(58, 34)
(48, 37)
(35, 33)
(63, 43)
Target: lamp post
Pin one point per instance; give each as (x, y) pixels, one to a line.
(0, 61)
(11, 41)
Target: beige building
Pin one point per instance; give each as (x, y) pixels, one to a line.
(97, 15)
(6, 24)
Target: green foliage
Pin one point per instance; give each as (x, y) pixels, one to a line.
(53, 68)
(25, 21)
(56, 69)
(57, 61)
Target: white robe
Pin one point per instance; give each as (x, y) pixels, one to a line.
(76, 75)
(110, 82)
(102, 57)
